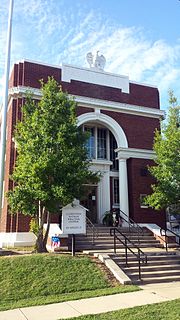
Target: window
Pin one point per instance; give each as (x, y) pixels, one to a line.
(90, 143)
(115, 191)
(101, 145)
(113, 146)
(142, 201)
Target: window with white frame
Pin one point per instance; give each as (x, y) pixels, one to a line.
(101, 144)
(91, 142)
(115, 191)
(113, 154)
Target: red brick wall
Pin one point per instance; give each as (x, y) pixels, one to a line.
(29, 74)
(6, 219)
(34, 72)
(144, 95)
(138, 184)
(14, 76)
(139, 95)
(8, 222)
(138, 130)
(82, 110)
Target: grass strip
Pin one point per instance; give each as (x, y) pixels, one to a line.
(169, 310)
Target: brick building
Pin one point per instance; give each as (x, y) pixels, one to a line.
(121, 117)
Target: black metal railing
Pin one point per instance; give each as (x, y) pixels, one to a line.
(132, 225)
(140, 255)
(163, 232)
(94, 231)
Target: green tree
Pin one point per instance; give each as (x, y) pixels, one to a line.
(166, 171)
(52, 164)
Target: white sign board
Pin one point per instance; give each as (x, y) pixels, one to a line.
(73, 223)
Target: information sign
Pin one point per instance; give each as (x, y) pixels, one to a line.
(73, 223)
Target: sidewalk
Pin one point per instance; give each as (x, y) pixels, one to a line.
(152, 293)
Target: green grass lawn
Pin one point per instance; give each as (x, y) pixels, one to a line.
(160, 311)
(48, 278)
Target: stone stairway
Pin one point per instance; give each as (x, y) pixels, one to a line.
(105, 242)
(161, 267)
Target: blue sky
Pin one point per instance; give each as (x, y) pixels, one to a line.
(139, 38)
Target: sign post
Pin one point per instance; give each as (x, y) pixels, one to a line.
(73, 245)
(74, 221)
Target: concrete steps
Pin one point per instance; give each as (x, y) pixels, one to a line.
(105, 241)
(160, 267)
(106, 246)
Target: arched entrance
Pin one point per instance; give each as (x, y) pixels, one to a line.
(106, 135)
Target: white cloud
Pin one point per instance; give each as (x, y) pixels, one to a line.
(51, 31)
(77, 38)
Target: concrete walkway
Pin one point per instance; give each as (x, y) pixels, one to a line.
(152, 293)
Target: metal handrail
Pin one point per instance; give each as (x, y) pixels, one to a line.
(168, 236)
(132, 224)
(141, 256)
(92, 227)
(130, 220)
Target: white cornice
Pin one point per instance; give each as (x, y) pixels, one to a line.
(126, 153)
(40, 63)
(144, 84)
(100, 165)
(21, 91)
(101, 162)
(119, 107)
(94, 70)
(95, 76)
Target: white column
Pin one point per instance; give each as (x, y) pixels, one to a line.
(103, 194)
(123, 186)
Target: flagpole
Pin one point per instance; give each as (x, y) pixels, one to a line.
(5, 103)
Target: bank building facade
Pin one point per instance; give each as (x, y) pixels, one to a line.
(121, 117)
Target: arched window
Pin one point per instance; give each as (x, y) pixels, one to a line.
(101, 144)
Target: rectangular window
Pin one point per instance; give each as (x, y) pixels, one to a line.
(101, 143)
(113, 154)
(90, 143)
(142, 201)
(116, 191)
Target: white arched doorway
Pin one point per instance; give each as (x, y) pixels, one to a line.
(103, 165)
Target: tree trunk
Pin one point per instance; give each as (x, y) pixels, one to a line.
(39, 246)
(41, 240)
(47, 230)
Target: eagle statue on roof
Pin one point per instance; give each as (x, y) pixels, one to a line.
(98, 63)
